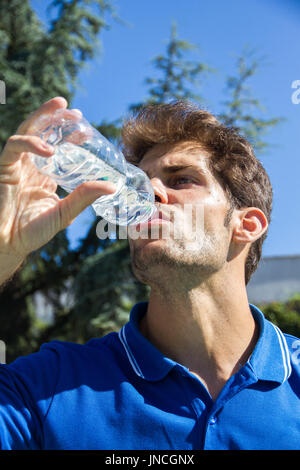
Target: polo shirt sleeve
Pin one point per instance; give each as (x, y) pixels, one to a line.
(27, 387)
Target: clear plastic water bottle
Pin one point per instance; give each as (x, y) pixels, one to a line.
(83, 154)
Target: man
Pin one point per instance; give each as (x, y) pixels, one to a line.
(195, 368)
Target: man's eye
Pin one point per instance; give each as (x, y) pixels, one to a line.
(182, 181)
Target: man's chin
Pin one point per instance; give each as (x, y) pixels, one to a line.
(154, 253)
(148, 259)
(148, 248)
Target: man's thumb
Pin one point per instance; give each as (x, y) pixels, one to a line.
(82, 197)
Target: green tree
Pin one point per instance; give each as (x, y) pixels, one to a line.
(178, 77)
(242, 110)
(37, 64)
(286, 315)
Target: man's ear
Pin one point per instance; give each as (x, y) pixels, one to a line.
(251, 224)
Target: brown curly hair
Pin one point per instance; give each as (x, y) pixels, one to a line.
(233, 161)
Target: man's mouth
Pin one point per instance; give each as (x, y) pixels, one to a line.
(158, 218)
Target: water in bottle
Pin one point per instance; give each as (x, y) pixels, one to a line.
(83, 154)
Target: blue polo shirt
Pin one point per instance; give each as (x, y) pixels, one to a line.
(119, 392)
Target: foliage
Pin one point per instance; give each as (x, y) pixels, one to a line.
(177, 77)
(286, 315)
(38, 64)
(242, 110)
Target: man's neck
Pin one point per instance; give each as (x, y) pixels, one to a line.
(209, 330)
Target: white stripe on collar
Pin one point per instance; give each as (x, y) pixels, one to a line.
(284, 352)
(129, 353)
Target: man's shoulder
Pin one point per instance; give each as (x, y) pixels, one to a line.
(98, 342)
(57, 355)
(290, 339)
(101, 347)
(293, 344)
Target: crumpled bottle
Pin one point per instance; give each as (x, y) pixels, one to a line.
(82, 154)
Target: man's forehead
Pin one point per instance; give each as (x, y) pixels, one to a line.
(170, 155)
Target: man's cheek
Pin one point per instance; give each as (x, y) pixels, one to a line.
(191, 226)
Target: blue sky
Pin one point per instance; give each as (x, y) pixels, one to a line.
(221, 30)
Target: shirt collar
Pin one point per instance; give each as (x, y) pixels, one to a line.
(270, 359)
(145, 359)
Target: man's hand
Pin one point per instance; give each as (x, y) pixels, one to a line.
(31, 213)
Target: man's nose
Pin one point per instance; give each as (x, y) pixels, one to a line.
(159, 191)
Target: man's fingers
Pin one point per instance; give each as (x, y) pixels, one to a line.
(82, 197)
(17, 144)
(47, 108)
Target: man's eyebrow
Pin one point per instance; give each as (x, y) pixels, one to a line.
(170, 169)
(174, 168)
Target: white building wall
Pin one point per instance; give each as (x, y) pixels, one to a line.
(276, 279)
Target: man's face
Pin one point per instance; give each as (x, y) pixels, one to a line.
(195, 206)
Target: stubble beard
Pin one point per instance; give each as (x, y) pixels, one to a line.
(175, 265)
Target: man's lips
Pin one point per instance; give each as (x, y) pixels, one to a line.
(158, 218)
